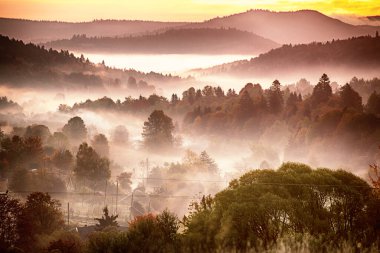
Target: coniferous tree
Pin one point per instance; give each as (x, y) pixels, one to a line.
(231, 93)
(198, 94)
(350, 98)
(208, 162)
(275, 98)
(245, 106)
(219, 92)
(373, 103)
(322, 91)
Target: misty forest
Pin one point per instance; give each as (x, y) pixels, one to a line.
(252, 132)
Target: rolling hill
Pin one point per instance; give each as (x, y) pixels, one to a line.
(43, 31)
(350, 56)
(304, 26)
(178, 41)
(31, 66)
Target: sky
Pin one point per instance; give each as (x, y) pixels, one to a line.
(172, 10)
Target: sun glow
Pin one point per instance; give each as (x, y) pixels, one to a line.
(171, 10)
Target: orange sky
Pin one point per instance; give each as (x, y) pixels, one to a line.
(171, 10)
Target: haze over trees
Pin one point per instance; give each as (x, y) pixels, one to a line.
(44, 31)
(75, 129)
(90, 166)
(306, 119)
(37, 66)
(176, 41)
(303, 26)
(262, 206)
(241, 157)
(358, 55)
(158, 131)
(316, 209)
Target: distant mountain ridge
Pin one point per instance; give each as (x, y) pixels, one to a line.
(44, 31)
(359, 54)
(177, 41)
(303, 26)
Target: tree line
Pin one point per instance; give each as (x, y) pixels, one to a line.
(319, 210)
(35, 65)
(311, 118)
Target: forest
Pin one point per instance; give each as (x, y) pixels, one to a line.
(178, 41)
(356, 54)
(176, 126)
(279, 203)
(306, 122)
(34, 66)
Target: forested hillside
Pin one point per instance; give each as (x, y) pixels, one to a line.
(284, 27)
(178, 41)
(29, 65)
(307, 127)
(355, 55)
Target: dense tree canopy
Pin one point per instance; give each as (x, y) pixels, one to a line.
(10, 209)
(158, 131)
(264, 205)
(90, 166)
(350, 98)
(41, 215)
(322, 91)
(75, 129)
(100, 144)
(373, 105)
(275, 97)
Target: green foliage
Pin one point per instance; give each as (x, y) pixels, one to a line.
(265, 205)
